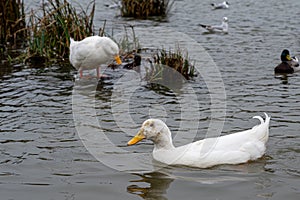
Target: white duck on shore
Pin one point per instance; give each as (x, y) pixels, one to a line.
(93, 51)
(234, 148)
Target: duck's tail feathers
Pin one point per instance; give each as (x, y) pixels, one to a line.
(263, 128)
(262, 120)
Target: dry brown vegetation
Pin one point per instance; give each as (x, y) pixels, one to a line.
(12, 21)
(145, 8)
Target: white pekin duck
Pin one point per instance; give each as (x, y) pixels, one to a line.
(234, 148)
(93, 51)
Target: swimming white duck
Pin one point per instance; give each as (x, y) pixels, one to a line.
(223, 28)
(234, 148)
(93, 51)
(222, 5)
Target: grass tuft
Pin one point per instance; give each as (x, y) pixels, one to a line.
(177, 60)
(12, 21)
(129, 42)
(51, 28)
(144, 8)
(12, 28)
(169, 69)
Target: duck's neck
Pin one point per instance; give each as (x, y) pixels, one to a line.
(164, 141)
(166, 146)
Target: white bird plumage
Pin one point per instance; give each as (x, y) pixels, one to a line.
(115, 4)
(222, 5)
(93, 51)
(234, 148)
(294, 63)
(223, 28)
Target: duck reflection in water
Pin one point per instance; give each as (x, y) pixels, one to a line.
(155, 185)
(151, 186)
(283, 77)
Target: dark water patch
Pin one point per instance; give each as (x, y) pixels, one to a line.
(12, 141)
(37, 184)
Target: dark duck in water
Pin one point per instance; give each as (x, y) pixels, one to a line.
(136, 62)
(288, 64)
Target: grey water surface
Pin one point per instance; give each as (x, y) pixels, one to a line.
(65, 138)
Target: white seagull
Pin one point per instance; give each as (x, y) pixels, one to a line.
(223, 5)
(223, 28)
(114, 5)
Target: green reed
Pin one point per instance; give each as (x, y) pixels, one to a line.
(129, 42)
(51, 28)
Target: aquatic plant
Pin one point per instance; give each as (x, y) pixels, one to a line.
(173, 59)
(129, 42)
(169, 70)
(145, 8)
(12, 25)
(51, 28)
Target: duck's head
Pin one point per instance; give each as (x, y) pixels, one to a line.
(112, 49)
(226, 2)
(155, 130)
(116, 56)
(285, 56)
(118, 59)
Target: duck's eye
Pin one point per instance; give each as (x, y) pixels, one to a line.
(151, 124)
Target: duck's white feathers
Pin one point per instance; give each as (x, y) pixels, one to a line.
(92, 51)
(222, 5)
(234, 148)
(294, 63)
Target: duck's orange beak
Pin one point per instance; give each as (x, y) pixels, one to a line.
(138, 137)
(118, 60)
